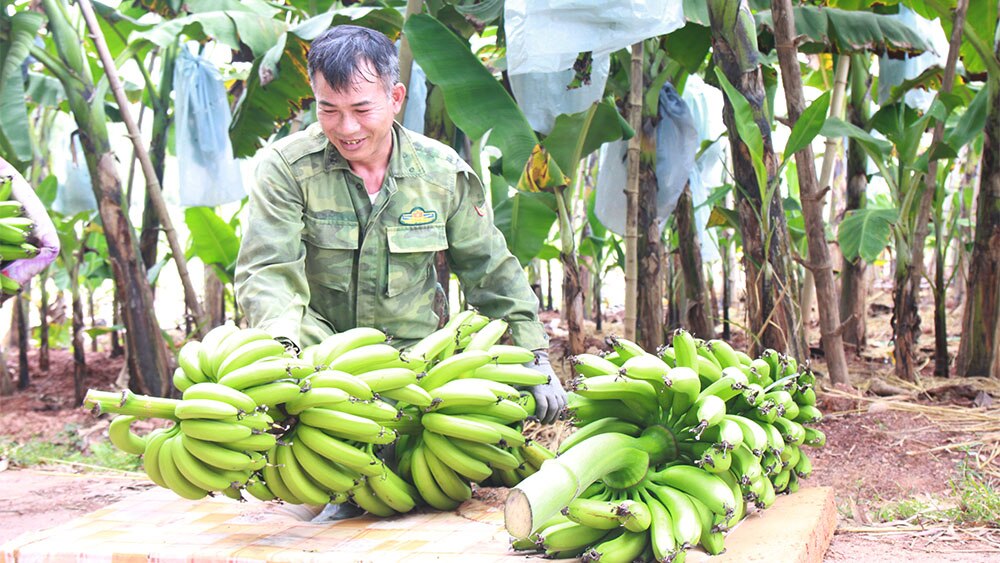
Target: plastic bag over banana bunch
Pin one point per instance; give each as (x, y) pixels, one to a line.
(208, 175)
(315, 427)
(671, 451)
(28, 239)
(676, 146)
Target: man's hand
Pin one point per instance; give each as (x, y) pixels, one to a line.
(550, 398)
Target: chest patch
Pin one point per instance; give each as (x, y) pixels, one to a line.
(417, 216)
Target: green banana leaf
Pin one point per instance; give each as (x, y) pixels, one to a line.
(525, 220)
(844, 31)
(607, 125)
(270, 102)
(866, 232)
(476, 101)
(213, 240)
(808, 125)
(17, 31)
(45, 90)
(231, 28)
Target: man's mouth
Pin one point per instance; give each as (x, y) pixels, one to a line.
(352, 143)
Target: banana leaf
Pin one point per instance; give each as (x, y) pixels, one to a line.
(17, 31)
(213, 240)
(844, 31)
(865, 233)
(525, 220)
(476, 101)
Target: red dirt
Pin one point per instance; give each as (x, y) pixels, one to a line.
(865, 460)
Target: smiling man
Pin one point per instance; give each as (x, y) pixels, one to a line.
(346, 216)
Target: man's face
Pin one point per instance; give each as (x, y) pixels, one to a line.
(358, 120)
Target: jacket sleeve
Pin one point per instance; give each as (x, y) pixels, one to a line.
(492, 279)
(271, 285)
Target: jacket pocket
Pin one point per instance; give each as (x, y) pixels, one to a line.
(411, 255)
(330, 249)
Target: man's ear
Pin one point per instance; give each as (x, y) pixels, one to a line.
(397, 95)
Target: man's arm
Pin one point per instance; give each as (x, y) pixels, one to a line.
(271, 284)
(494, 283)
(492, 279)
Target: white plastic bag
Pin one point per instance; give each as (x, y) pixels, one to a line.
(676, 147)
(416, 100)
(208, 173)
(705, 104)
(75, 192)
(547, 35)
(543, 96)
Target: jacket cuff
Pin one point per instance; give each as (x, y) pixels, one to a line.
(529, 334)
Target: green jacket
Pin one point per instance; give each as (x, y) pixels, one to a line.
(317, 257)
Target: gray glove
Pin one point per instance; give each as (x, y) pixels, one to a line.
(550, 398)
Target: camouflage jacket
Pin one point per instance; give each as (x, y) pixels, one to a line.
(318, 257)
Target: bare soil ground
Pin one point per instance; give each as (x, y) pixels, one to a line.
(880, 452)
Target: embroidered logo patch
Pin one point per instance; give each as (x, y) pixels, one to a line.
(418, 216)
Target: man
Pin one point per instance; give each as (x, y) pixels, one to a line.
(346, 217)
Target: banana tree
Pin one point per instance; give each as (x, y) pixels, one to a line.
(64, 57)
(979, 349)
(544, 173)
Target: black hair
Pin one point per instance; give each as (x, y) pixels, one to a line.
(343, 51)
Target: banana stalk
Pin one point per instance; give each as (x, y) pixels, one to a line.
(542, 495)
(127, 402)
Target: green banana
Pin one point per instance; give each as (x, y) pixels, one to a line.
(624, 548)
(339, 451)
(450, 482)
(171, 474)
(266, 371)
(455, 458)
(395, 492)
(365, 358)
(503, 354)
(326, 397)
(216, 455)
(275, 483)
(411, 394)
(701, 484)
(347, 426)
(232, 342)
(488, 453)
(188, 360)
(205, 409)
(388, 379)
(454, 367)
(488, 336)
(327, 474)
(340, 380)
(337, 345)
(215, 430)
(200, 474)
(222, 393)
(569, 536)
(424, 481)
(250, 353)
(296, 480)
(121, 435)
(510, 374)
(461, 427)
(150, 457)
(274, 393)
(180, 380)
(589, 365)
(365, 498)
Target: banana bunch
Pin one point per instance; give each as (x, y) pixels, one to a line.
(15, 233)
(471, 414)
(310, 428)
(700, 433)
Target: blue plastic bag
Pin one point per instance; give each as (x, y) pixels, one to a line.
(208, 174)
